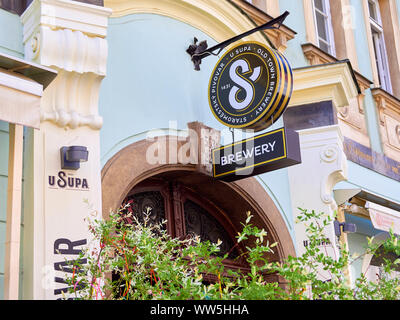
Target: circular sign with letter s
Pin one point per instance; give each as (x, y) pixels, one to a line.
(250, 86)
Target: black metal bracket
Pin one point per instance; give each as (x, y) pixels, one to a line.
(199, 51)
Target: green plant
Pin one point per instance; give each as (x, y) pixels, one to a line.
(134, 259)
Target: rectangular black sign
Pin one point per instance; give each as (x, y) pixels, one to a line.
(263, 153)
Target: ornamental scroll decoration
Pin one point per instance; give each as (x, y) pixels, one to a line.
(336, 171)
(69, 37)
(71, 100)
(150, 203)
(344, 111)
(203, 140)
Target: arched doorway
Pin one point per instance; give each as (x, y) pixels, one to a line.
(188, 212)
(128, 174)
(185, 208)
(372, 264)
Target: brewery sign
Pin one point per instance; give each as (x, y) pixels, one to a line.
(250, 87)
(263, 153)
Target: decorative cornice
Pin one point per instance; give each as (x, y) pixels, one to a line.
(315, 55)
(385, 102)
(388, 108)
(69, 36)
(352, 114)
(279, 37)
(334, 82)
(363, 82)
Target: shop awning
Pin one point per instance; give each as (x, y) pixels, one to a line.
(384, 212)
(21, 87)
(384, 218)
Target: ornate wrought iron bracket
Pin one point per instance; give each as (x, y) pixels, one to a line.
(199, 51)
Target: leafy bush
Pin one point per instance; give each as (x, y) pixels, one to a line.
(137, 260)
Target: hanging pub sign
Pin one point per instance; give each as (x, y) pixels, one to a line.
(259, 154)
(250, 87)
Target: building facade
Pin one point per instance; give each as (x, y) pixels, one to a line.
(116, 79)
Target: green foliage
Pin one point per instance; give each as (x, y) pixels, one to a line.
(139, 260)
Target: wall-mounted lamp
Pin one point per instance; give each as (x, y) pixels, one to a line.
(71, 157)
(346, 227)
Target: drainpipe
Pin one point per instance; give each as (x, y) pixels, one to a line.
(13, 221)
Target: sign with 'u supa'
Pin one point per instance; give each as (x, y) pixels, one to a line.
(250, 86)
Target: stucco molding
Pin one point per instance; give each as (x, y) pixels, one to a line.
(315, 55)
(386, 104)
(388, 108)
(327, 82)
(68, 36)
(328, 143)
(218, 19)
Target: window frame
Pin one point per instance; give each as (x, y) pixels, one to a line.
(378, 42)
(328, 26)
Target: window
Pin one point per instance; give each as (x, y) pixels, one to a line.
(323, 24)
(378, 40)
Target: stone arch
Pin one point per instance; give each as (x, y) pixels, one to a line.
(129, 167)
(378, 239)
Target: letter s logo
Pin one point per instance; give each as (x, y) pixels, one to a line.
(242, 82)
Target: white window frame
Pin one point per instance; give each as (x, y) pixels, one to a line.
(328, 26)
(378, 41)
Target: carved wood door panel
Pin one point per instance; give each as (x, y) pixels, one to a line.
(186, 213)
(200, 222)
(150, 203)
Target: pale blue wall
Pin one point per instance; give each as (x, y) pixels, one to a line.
(11, 34)
(295, 21)
(365, 68)
(398, 7)
(11, 44)
(151, 81)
